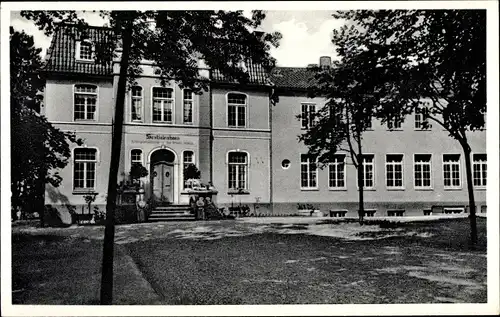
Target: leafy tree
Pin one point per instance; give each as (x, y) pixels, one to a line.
(347, 114)
(137, 170)
(175, 41)
(38, 149)
(439, 55)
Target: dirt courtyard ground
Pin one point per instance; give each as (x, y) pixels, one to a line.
(272, 261)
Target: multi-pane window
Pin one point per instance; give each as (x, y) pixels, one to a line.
(136, 156)
(308, 171)
(422, 175)
(336, 172)
(307, 115)
(84, 168)
(421, 119)
(85, 50)
(394, 170)
(479, 169)
(85, 102)
(187, 160)
(368, 167)
(368, 123)
(236, 110)
(188, 106)
(394, 123)
(136, 103)
(451, 170)
(162, 104)
(238, 170)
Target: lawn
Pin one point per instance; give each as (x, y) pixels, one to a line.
(255, 263)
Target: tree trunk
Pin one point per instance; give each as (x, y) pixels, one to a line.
(470, 189)
(361, 209)
(116, 140)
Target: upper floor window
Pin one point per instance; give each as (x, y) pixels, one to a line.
(136, 156)
(451, 170)
(162, 104)
(85, 100)
(84, 50)
(136, 103)
(188, 106)
(421, 117)
(394, 123)
(422, 167)
(236, 110)
(307, 115)
(308, 172)
(479, 169)
(84, 168)
(238, 170)
(336, 173)
(394, 170)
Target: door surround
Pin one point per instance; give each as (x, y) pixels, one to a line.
(164, 155)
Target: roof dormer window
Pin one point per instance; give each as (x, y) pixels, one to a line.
(84, 50)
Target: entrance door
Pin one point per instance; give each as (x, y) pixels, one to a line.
(162, 183)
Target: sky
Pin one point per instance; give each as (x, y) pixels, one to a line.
(306, 34)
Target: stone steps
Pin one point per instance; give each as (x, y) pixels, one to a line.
(171, 213)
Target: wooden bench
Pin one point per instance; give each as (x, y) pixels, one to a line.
(338, 212)
(83, 218)
(395, 213)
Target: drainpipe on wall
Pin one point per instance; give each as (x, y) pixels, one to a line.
(211, 125)
(271, 104)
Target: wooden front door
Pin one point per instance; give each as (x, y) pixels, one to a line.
(163, 189)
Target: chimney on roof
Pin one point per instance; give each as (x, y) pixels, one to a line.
(325, 61)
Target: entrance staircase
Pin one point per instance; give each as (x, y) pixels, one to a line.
(171, 213)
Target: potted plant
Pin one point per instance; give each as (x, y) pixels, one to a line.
(191, 176)
(137, 171)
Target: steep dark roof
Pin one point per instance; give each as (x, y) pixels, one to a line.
(61, 55)
(292, 77)
(258, 75)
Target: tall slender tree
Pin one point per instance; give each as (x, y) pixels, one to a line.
(175, 41)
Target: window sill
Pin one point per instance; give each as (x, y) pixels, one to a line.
(452, 188)
(337, 189)
(90, 191)
(425, 130)
(136, 121)
(428, 189)
(163, 122)
(236, 127)
(480, 187)
(85, 120)
(238, 192)
(395, 189)
(370, 189)
(392, 130)
(309, 189)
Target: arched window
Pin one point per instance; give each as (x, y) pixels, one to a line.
(85, 102)
(136, 102)
(136, 156)
(237, 170)
(236, 110)
(84, 168)
(162, 104)
(187, 160)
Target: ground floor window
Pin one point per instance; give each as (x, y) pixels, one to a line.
(394, 170)
(84, 168)
(187, 161)
(422, 171)
(451, 170)
(136, 156)
(238, 170)
(367, 172)
(479, 169)
(337, 172)
(308, 172)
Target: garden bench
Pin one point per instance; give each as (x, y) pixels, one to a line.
(83, 218)
(338, 212)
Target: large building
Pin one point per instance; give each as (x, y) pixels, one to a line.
(241, 141)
